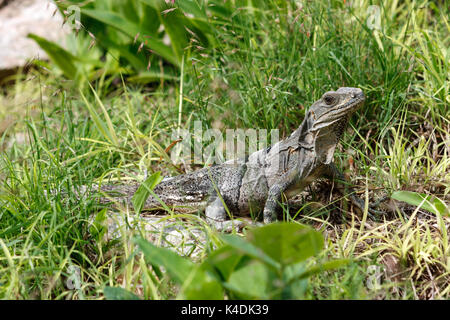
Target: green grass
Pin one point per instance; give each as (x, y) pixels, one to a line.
(272, 61)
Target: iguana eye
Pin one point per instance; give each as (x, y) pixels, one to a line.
(328, 99)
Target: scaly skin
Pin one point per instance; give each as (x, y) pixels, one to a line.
(256, 184)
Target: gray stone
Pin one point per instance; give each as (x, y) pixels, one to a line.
(18, 18)
(185, 238)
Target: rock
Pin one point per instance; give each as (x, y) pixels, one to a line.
(184, 238)
(18, 18)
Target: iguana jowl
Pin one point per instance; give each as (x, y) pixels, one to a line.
(257, 183)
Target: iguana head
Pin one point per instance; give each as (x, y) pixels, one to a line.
(327, 119)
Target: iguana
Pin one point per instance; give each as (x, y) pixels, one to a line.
(256, 184)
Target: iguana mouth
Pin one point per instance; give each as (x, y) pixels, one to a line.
(347, 108)
(355, 100)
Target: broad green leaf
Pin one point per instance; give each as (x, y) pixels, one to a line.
(192, 7)
(201, 29)
(156, 4)
(427, 202)
(114, 20)
(132, 29)
(201, 286)
(219, 10)
(150, 20)
(250, 249)
(186, 6)
(179, 268)
(253, 281)
(175, 22)
(285, 242)
(292, 288)
(174, 25)
(222, 262)
(130, 9)
(137, 61)
(142, 193)
(292, 291)
(116, 293)
(293, 270)
(61, 57)
(329, 265)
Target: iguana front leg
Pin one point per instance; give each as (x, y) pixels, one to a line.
(216, 216)
(333, 173)
(272, 202)
(276, 190)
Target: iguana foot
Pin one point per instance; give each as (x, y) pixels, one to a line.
(229, 226)
(216, 216)
(269, 216)
(336, 175)
(360, 204)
